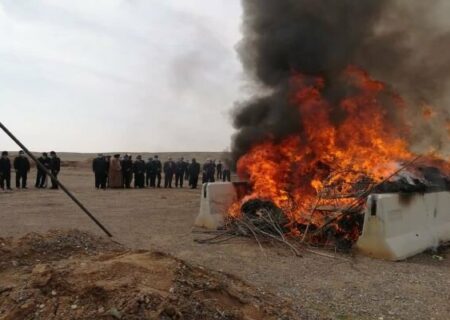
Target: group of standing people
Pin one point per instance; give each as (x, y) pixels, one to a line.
(117, 172)
(21, 166)
(213, 171)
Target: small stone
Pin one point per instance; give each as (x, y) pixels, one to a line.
(170, 311)
(41, 275)
(54, 293)
(27, 305)
(115, 313)
(73, 307)
(172, 298)
(42, 306)
(101, 310)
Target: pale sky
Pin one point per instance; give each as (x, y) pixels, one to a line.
(119, 75)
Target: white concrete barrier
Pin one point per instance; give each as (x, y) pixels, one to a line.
(399, 226)
(215, 200)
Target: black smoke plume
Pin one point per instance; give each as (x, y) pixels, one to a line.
(404, 43)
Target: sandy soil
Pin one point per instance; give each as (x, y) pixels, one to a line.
(346, 287)
(75, 275)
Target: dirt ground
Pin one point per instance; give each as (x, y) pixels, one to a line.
(345, 287)
(75, 275)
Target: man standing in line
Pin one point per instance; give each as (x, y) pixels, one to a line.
(208, 171)
(226, 176)
(115, 173)
(148, 173)
(41, 178)
(169, 169)
(205, 171)
(139, 172)
(194, 171)
(127, 171)
(186, 170)
(22, 167)
(55, 167)
(5, 171)
(100, 168)
(179, 172)
(156, 173)
(108, 163)
(219, 170)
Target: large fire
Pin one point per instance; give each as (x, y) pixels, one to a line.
(329, 155)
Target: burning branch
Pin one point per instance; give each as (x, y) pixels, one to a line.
(260, 220)
(362, 199)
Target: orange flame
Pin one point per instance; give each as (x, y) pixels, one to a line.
(363, 143)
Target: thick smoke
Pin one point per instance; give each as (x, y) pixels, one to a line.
(404, 43)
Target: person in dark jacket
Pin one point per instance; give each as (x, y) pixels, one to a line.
(186, 170)
(127, 171)
(219, 168)
(208, 171)
(194, 171)
(180, 168)
(205, 171)
(155, 179)
(169, 170)
(148, 173)
(22, 167)
(226, 175)
(55, 167)
(212, 171)
(100, 168)
(139, 172)
(5, 171)
(108, 161)
(41, 178)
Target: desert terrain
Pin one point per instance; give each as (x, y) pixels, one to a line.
(344, 286)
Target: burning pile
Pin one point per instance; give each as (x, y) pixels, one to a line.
(330, 169)
(326, 134)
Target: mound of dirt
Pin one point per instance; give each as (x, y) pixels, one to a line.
(75, 275)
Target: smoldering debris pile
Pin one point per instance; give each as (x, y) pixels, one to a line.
(336, 219)
(261, 220)
(417, 179)
(264, 222)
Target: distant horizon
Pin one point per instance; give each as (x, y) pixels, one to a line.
(201, 156)
(117, 152)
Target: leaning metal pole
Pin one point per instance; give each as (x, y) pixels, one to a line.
(42, 167)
